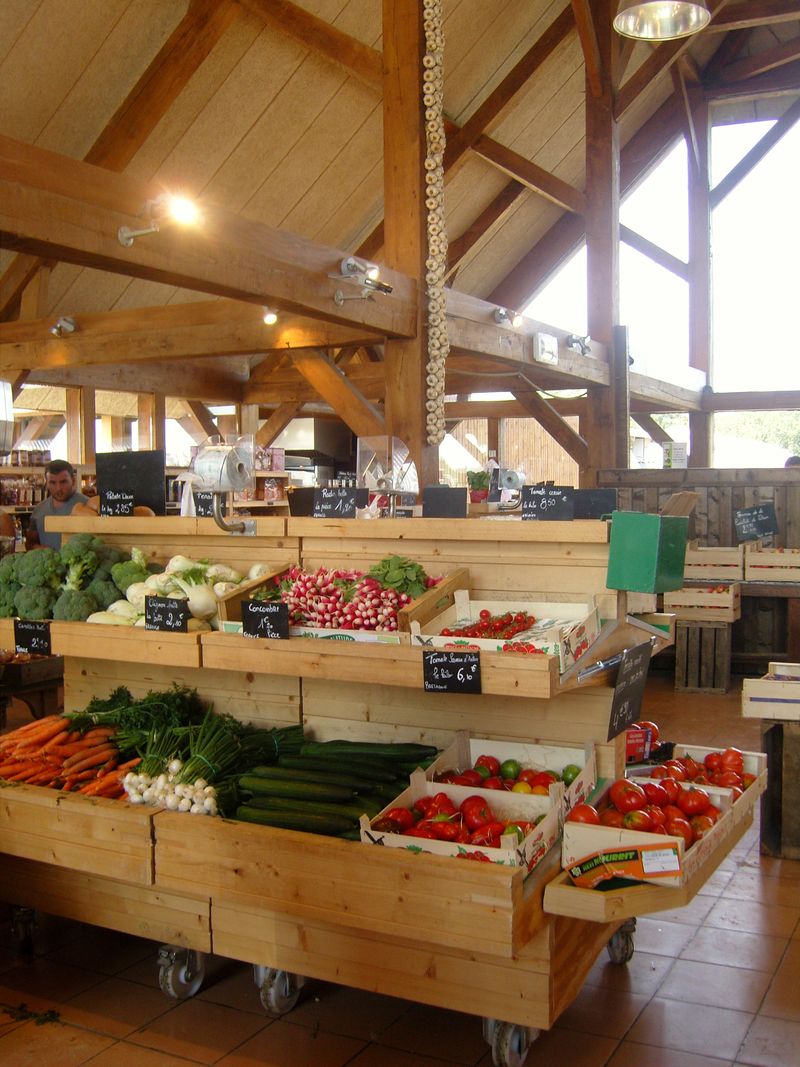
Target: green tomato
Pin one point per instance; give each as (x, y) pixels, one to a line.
(484, 772)
(510, 768)
(570, 773)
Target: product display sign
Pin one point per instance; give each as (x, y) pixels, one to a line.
(548, 502)
(116, 502)
(265, 618)
(752, 523)
(595, 503)
(626, 704)
(447, 671)
(443, 502)
(204, 504)
(142, 475)
(31, 635)
(166, 613)
(335, 503)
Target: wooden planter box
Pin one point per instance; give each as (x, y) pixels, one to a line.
(714, 563)
(694, 603)
(775, 696)
(125, 644)
(771, 564)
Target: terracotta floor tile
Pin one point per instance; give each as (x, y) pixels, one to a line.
(427, 1031)
(721, 987)
(771, 1043)
(774, 868)
(53, 1043)
(691, 1028)
(642, 974)
(42, 984)
(752, 917)
(692, 914)
(121, 1054)
(145, 971)
(752, 884)
(199, 1030)
(552, 1047)
(716, 884)
(380, 1056)
(601, 1011)
(629, 1054)
(285, 1043)
(731, 947)
(116, 1007)
(353, 1012)
(783, 999)
(234, 986)
(106, 951)
(662, 938)
(50, 932)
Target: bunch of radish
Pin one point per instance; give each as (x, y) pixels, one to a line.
(340, 600)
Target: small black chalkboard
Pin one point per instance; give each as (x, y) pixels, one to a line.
(204, 504)
(626, 704)
(752, 523)
(443, 502)
(166, 613)
(594, 503)
(265, 618)
(548, 502)
(495, 493)
(447, 671)
(335, 503)
(116, 502)
(32, 636)
(142, 474)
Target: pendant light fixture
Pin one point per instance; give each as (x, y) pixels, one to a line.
(661, 20)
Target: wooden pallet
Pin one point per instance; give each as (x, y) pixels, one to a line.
(703, 657)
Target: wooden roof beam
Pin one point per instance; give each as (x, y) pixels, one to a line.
(458, 249)
(651, 428)
(762, 62)
(203, 417)
(752, 13)
(363, 418)
(545, 414)
(780, 81)
(785, 123)
(531, 174)
(587, 34)
(655, 252)
(783, 401)
(276, 423)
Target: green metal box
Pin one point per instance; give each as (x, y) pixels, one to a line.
(647, 552)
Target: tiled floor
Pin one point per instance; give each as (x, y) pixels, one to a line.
(714, 984)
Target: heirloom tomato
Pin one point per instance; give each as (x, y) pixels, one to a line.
(655, 793)
(584, 813)
(612, 817)
(693, 801)
(681, 827)
(637, 820)
(627, 795)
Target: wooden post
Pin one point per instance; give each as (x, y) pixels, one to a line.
(152, 417)
(73, 416)
(601, 426)
(404, 223)
(88, 444)
(700, 423)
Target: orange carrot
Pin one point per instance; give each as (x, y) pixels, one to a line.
(37, 738)
(32, 727)
(124, 767)
(93, 758)
(55, 741)
(22, 774)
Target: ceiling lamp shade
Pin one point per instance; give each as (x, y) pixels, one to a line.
(661, 20)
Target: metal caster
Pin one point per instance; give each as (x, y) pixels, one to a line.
(620, 944)
(510, 1042)
(23, 924)
(180, 971)
(279, 990)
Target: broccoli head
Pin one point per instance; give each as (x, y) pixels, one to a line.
(8, 590)
(102, 589)
(8, 568)
(74, 605)
(108, 555)
(125, 574)
(79, 556)
(40, 568)
(35, 602)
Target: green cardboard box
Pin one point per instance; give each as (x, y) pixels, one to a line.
(647, 552)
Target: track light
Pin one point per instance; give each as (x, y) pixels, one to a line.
(270, 316)
(179, 209)
(513, 318)
(660, 20)
(351, 268)
(66, 324)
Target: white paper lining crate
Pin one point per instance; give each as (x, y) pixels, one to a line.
(775, 696)
(703, 657)
(771, 564)
(504, 805)
(464, 750)
(714, 563)
(698, 603)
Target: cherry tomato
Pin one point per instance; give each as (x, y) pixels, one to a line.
(492, 763)
(402, 816)
(493, 783)
(475, 812)
(487, 834)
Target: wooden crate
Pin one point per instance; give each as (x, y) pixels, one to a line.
(90, 834)
(771, 564)
(780, 804)
(703, 657)
(173, 918)
(775, 696)
(438, 900)
(125, 644)
(715, 563)
(695, 603)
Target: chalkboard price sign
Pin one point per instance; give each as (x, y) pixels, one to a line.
(166, 613)
(594, 503)
(142, 475)
(447, 671)
(548, 502)
(265, 618)
(116, 502)
(626, 703)
(752, 523)
(444, 502)
(204, 504)
(335, 503)
(32, 636)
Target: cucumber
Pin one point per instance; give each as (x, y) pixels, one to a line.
(389, 792)
(395, 751)
(360, 768)
(350, 835)
(296, 820)
(271, 787)
(290, 774)
(314, 807)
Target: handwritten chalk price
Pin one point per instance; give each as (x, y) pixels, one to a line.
(447, 671)
(263, 618)
(116, 502)
(166, 613)
(32, 636)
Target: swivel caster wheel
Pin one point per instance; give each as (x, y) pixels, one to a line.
(180, 971)
(510, 1042)
(620, 945)
(279, 990)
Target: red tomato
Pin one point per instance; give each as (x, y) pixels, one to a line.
(444, 830)
(612, 817)
(441, 804)
(732, 760)
(487, 834)
(737, 792)
(676, 770)
(712, 812)
(728, 779)
(584, 813)
(470, 777)
(681, 828)
(657, 816)
(747, 780)
(402, 816)
(672, 811)
(627, 796)
(637, 820)
(693, 801)
(700, 825)
(420, 831)
(659, 772)
(492, 763)
(672, 787)
(423, 805)
(493, 783)
(692, 767)
(645, 724)
(655, 793)
(476, 812)
(713, 761)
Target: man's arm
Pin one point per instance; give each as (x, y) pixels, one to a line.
(32, 534)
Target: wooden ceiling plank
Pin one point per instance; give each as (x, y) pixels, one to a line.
(363, 418)
(508, 196)
(498, 100)
(530, 174)
(544, 413)
(762, 62)
(655, 252)
(54, 206)
(785, 123)
(277, 423)
(752, 13)
(587, 35)
(322, 38)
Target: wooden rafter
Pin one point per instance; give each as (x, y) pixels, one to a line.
(785, 123)
(530, 174)
(287, 384)
(276, 423)
(762, 62)
(781, 81)
(546, 415)
(508, 196)
(655, 252)
(689, 91)
(363, 418)
(651, 428)
(751, 13)
(203, 417)
(587, 35)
